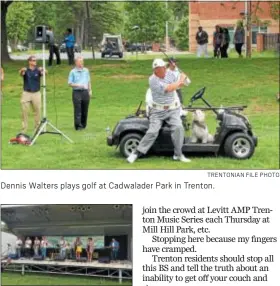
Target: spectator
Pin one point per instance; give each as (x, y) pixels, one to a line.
(202, 42)
(53, 48)
(79, 80)
(239, 37)
(225, 43)
(70, 42)
(31, 92)
(217, 41)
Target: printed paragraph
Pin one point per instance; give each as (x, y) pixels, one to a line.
(206, 244)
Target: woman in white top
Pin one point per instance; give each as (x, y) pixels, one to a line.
(28, 244)
(36, 246)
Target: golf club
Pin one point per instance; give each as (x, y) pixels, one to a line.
(187, 80)
(169, 60)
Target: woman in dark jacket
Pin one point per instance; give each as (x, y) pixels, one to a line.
(225, 43)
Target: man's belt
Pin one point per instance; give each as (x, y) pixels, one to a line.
(167, 106)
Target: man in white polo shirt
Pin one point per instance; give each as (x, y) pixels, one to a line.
(163, 83)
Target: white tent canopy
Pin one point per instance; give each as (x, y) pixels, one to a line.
(38, 220)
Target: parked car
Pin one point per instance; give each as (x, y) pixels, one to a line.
(116, 41)
(77, 48)
(138, 47)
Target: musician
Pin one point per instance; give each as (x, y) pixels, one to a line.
(44, 244)
(18, 247)
(36, 246)
(68, 253)
(78, 247)
(90, 249)
(62, 245)
(27, 245)
(115, 246)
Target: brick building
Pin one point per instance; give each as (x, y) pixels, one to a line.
(226, 14)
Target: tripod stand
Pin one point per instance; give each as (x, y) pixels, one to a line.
(42, 128)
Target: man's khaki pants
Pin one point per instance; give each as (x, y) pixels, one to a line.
(33, 99)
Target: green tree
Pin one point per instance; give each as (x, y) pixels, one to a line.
(4, 49)
(150, 17)
(19, 19)
(275, 10)
(182, 34)
(178, 10)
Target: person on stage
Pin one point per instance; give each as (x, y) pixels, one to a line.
(115, 247)
(27, 246)
(18, 247)
(90, 249)
(36, 246)
(62, 245)
(79, 248)
(44, 244)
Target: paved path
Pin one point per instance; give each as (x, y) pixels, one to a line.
(88, 55)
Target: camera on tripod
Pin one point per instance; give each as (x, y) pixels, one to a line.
(41, 34)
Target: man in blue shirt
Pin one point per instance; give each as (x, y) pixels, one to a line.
(115, 246)
(79, 80)
(70, 42)
(31, 92)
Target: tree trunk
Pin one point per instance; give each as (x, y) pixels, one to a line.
(82, 33)
(5, 57)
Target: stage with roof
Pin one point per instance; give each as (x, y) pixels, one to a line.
(102, 221)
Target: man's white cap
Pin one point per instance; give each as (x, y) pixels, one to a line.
(159, 63)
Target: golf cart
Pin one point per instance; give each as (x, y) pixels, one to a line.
(233, 138)
(116, 41)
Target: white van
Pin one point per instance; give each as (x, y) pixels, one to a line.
(116, 43)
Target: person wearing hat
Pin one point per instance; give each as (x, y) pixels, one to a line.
(163, 85)
(202, 41)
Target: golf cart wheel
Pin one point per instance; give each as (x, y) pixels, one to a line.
(129, 143)
(239, 146)
(120, 55)
(102, 55)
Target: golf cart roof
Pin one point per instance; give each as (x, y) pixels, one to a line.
(32, 220)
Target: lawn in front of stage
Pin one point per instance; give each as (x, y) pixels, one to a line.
(118, 88)
(9, 278)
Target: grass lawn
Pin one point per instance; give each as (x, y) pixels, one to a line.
(118, 87)
(9, 278)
